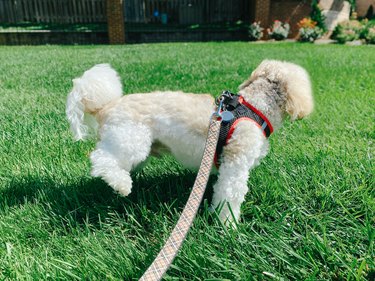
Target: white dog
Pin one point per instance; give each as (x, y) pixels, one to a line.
(132, 127)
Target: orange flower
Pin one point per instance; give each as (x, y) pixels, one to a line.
(306, 23)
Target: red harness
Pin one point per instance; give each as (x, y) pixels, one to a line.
(241, 111)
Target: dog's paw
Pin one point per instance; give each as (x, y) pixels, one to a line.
(229, 221)
(123, 188)
(226, 215)
(119, 180)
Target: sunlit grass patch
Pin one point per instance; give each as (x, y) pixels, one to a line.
(309, 213)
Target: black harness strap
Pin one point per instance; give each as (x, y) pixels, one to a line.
(240, 109)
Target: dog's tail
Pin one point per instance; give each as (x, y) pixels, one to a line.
(91, 92)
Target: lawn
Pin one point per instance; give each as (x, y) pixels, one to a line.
(309, 214)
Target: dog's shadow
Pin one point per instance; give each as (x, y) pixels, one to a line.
(92, 199)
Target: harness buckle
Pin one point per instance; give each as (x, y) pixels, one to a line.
(226, 96)
(222, 102)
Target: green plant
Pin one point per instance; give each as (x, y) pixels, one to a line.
(352, 5)
(309, 34)
(255, 31)
(317, 15)
(347, 31)
(370, 35)
(279, 30)
(347, 35)
(368, 31)
(308, 31)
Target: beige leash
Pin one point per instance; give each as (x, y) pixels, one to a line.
(167, 254)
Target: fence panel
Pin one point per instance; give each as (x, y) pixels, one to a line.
(186, 11)
(52, 11)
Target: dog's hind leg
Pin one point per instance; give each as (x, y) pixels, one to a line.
(106, 166)
(119, 150)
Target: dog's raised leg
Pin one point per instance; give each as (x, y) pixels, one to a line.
(106, 166)
(120, 149)
(247, 145)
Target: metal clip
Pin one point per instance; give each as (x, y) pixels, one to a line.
(220, 103)
(222, 112)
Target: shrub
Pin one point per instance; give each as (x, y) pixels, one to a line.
(347, 31)
(368, 32)
(352, 5)
(370, 36)
(308, 31)
(317, 16)
(255, 31)
(279, 30)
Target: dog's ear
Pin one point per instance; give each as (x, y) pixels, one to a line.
(299, 102)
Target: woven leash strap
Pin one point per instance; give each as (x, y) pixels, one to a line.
(167, 254)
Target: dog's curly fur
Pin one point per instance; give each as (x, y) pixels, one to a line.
(132, 127)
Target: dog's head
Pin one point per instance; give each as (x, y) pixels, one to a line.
(293, 81)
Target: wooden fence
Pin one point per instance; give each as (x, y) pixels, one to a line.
(135, 11)
(52, 11)
(186, 11)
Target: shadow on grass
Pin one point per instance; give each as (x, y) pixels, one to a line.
(91, 200)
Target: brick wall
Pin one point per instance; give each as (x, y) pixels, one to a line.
(291, 11)
(115, 20)
(262, 12)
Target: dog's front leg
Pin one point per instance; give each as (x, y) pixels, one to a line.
(230, 190)
(243, 151)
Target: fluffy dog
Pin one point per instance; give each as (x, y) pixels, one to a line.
(132, 127)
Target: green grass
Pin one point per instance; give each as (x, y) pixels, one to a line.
(309, 214)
